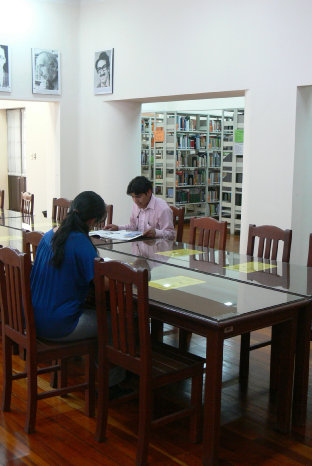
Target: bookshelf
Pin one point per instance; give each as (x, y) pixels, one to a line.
(190, 159)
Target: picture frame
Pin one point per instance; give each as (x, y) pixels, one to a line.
(103, 71)
(5, 68)
(46, 71)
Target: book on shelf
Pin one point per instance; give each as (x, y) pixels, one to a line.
(122, 235)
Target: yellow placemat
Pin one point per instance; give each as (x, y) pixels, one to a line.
(179, 252)
(174, 282)
(249, 267)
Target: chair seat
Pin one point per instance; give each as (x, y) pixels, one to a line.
(166, 360)
(66, 349)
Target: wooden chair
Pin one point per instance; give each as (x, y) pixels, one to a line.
(205, 230)
(31, 240)
(2, 199)
(27, 203)
(60, 208)
(309, 261)
(131, 348)
(108, 219)
(269, 239)
(16, 308)
(178, 221)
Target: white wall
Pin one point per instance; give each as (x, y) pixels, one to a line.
(178, 49)
(3, 157)
(302, 192)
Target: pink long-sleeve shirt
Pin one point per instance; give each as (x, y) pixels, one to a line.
(157, 215)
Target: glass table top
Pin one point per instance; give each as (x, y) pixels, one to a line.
(206, 295)
(292, 278)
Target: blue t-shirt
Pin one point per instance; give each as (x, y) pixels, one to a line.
(59, 293)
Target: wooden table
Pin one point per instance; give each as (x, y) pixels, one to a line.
(217, 309)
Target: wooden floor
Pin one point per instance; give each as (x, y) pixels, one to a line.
(64, 434)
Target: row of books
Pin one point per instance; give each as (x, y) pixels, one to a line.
(190, 196)
(214, 125)
(214, 143)
(191, 160)
(190, 177)
(214, 178)
(213, 195)
(185, 123)
(191, 142)
(213, 210)
(214, 159)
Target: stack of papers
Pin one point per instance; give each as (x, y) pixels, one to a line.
(122, 235)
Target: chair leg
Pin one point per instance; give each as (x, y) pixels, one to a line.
(103, 398)
(145, 416)
(7, 375)
(31, 396)
(90, 378)
(244, 357)
(196, 401)
(184, 339)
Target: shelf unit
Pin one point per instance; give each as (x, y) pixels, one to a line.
(189, 158)
(231, 181)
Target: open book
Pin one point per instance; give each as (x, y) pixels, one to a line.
(121, 235)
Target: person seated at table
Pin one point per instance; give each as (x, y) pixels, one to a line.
(150, 215)
(63, 273)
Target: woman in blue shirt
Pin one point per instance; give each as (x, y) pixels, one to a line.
(63, 271)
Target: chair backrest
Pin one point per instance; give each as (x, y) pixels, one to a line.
(31, 240)
(2, 199)
(60, 208)
(178, 220)
(16, 306)
(27, 203)
(205, 230)
(269, 237)
(309, 261)
(129, 317)
(108, 220)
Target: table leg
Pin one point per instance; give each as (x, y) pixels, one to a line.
(283, 344)
(301, 379)
(212, 397)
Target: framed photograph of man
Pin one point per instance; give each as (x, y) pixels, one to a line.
(46, 71)
(103, 72)
(5, 69)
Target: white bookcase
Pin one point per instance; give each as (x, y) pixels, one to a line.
(191, 160)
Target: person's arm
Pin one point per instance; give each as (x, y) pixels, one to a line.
(166, 229)
(133, 225)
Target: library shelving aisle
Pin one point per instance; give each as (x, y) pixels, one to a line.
(232, 168)
(194, 161)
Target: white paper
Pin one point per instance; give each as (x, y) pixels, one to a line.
(122, 235)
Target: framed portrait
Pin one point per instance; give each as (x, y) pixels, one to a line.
(103, 72)
(46, 71)
(5, 69)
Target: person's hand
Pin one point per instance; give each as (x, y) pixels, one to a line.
(151, 233)
(111, 227)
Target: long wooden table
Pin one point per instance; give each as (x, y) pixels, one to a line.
(217, 309)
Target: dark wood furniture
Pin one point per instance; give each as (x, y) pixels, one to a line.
(27, 203)
(269, 237)
(217, 309)
(60, 208)
(107, 220)
(31, 240)
(16, 308)
(205, 230)
(2, 199)
(131, 348)
(178, 221)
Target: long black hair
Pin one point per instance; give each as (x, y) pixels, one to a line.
(86, 206)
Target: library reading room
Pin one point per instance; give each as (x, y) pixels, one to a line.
(178, 331)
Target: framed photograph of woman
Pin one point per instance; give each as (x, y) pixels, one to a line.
(103, 72)
(46, 71)
(5, 69)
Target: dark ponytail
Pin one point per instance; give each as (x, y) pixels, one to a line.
(86, 206)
